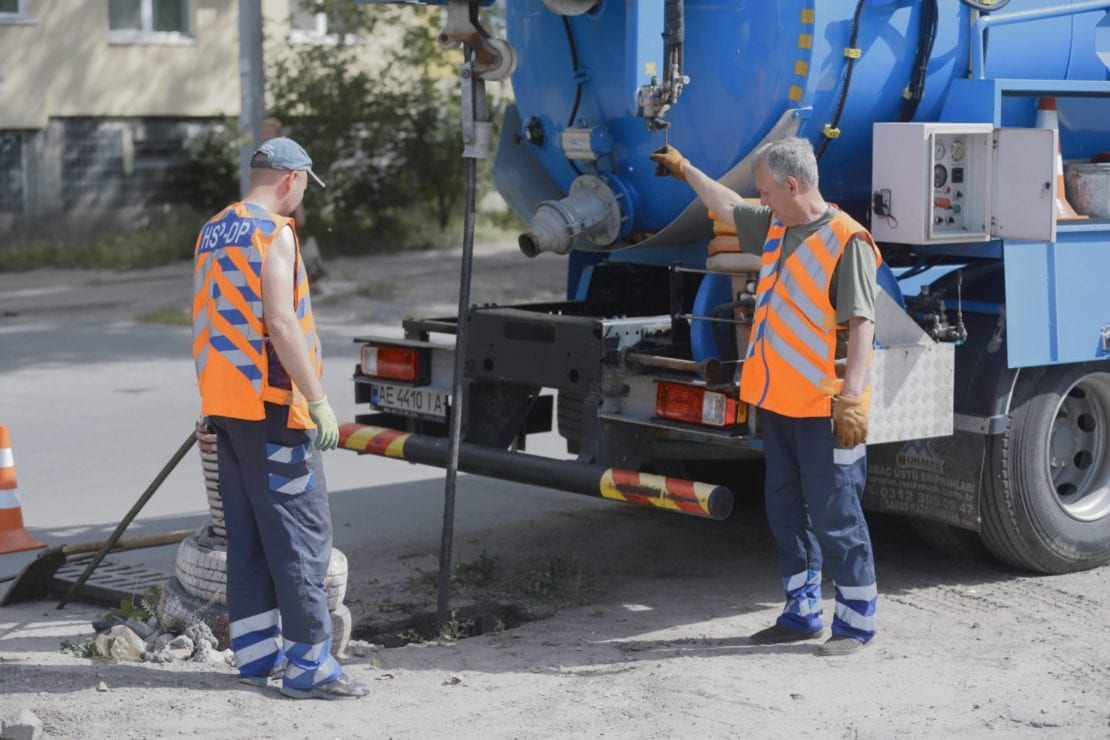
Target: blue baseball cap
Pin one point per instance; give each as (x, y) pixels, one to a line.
(283, 153)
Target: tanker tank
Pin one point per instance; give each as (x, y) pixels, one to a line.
(575, 153)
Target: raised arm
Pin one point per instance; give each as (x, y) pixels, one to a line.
(715, 196)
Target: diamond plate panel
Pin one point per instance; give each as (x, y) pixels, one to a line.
(911, 392)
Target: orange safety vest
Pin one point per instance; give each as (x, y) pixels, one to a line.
(790, 366)
(235, 361)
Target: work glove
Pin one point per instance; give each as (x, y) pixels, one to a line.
(327, 428)
(671, 162)
(850, 420)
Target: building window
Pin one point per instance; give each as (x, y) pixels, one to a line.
(13, 11)
(311, 23)
(150, 21)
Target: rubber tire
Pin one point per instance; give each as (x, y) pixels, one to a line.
(1023, 521)
(955, 541)
(202, 572)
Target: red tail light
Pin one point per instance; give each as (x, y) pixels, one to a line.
(394, 363)
(696, 405)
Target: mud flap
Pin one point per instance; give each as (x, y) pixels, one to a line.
(938, 479)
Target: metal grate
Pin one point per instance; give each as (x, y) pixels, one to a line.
(110, 583)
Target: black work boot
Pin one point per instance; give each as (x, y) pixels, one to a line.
(776, 634)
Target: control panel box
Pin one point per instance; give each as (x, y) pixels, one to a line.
(962, 182)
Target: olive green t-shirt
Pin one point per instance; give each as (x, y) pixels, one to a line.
(852, 289)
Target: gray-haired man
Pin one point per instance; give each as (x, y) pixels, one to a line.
(816, 280)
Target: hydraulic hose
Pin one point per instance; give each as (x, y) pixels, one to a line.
(674, 36)
(926, 37)
(578, 89)
(834, 126)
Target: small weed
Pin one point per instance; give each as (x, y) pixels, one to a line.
(82, 649)
(144, 610)
(484, 572)
(453, 629)
(408, 635)
(499, 626)
(167, 317)
(562, 581)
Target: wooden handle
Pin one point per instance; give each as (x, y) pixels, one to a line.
(131, 543)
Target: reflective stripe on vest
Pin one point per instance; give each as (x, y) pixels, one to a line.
(790, 364)
(229, 333)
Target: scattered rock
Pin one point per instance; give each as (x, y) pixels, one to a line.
(360, 649)
(107, 622)
(142, 629)
(200, 633)
(120, 643)
(453, 681)
(181, 648)
(22, 725)
(205, 653)
(101, 686)
(162, 641)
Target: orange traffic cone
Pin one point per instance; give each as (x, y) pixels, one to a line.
(13, 537)
(1048, 118)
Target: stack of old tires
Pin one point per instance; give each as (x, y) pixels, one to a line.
(198, 592)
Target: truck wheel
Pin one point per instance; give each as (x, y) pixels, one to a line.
(1047, 505)
(955, 541)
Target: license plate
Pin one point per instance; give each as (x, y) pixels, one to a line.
(409, 401)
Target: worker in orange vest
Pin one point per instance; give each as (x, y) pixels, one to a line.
(817, 283)
(258, 367)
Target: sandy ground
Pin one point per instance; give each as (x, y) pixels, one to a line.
(659, 650)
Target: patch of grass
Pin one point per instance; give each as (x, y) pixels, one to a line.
(169, 239)
(557, 580)
(561, 581)
(167, 317)
(483, 572)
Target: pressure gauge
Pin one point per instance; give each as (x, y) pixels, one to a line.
(957, 151)
(938, 152)
(940, 176)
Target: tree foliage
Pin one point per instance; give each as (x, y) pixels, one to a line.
(379, 113)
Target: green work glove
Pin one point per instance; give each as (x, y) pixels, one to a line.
(850, 419)
(671, 162)
(327, 428)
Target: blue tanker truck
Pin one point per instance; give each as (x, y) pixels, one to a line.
(969, 136)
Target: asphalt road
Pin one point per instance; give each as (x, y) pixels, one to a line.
(97, 400)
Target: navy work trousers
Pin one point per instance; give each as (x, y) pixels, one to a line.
(279, 538)
(813, 492)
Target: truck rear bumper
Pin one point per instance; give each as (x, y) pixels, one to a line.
(670, 494)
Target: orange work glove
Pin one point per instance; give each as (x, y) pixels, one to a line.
(850, 419)
(671, 162)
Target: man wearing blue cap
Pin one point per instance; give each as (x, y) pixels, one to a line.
(258, 366)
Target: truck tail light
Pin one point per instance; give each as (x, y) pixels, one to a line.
(394, 363)
(695, 405)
